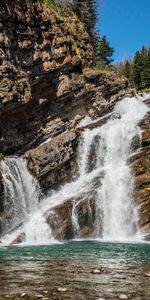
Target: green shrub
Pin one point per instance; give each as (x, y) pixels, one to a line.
(52, 4)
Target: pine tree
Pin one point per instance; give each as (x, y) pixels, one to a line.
(146, 70)
(127, 69)
(138, 70)
(104, 53)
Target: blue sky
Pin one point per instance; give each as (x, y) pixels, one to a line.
(126, 23)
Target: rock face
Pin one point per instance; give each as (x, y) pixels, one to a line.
(141, 169)
(47, 86)
(60, 219)
(54, 161)
(39, 71)
(56, 150)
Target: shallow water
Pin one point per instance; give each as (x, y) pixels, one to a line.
(41, 270)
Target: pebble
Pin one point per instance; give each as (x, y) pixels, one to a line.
(62, 289)
(147, 274)
(39, 296)
(100, 299)
(123, 297)
(23, 295)
(96, 271)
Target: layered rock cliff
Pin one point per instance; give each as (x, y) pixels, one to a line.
(47, 86)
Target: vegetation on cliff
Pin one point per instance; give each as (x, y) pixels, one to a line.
(87, 11)
(52, 4)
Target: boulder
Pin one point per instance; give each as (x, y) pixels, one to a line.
(60, 219)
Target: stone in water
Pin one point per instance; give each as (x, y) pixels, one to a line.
(96, 271)
(123, 297)
(62, 289)
(147, 274)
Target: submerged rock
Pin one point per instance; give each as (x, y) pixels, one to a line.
(96, 271)
(123, 297)
(147, 274)
(61, 289)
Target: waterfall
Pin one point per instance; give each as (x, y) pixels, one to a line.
(20, 191)
(21, 203)
(105, 176)
(108, 148)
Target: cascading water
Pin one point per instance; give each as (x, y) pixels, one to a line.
(107, 149)
(104, 176)
(21, 201)
(116, 213)
(21, 193)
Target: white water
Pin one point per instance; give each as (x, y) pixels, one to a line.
(116, 213)
(21, 192)
(22, 195)
(104, 174)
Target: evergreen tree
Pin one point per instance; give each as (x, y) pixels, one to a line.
(146, 70)
(104, 53)
(137, 69)
(127, 69)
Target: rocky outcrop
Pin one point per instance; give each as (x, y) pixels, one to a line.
(57, 153)
(42, 57)
(141, 169)
(55, 160)
(47, 86)
(61, 221)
